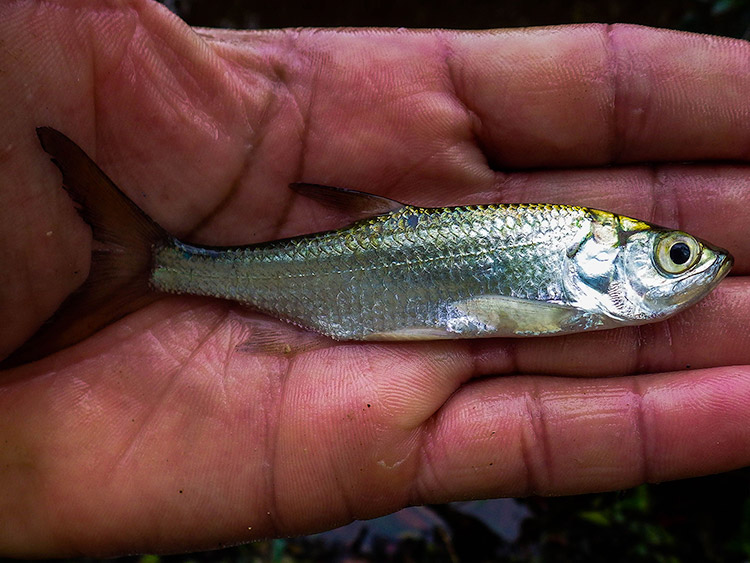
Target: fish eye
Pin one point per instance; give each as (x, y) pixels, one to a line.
(676, 253)
(679, 253)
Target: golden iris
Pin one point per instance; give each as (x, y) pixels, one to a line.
(677, 253)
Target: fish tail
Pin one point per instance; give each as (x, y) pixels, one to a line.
(123, 237)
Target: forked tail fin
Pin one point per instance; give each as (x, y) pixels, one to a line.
(123, 235)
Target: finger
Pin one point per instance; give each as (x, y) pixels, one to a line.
(572, 96)
(530, 435)
(589, 95)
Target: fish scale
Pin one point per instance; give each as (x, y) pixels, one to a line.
(387, 272)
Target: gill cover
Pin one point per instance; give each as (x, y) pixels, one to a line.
(634, 271)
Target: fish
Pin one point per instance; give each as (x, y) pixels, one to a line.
(397, 272)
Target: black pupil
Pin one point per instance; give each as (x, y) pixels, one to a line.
(679, 253)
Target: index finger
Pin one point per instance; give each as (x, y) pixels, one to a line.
(564, 96)
(595, 95)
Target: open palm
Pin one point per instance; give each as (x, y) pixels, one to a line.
(173, 429)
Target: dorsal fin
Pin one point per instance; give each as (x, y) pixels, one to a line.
(358, 205)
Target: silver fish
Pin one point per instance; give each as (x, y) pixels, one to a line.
(458, 272)
(402, 273)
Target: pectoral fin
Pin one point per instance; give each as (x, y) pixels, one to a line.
(509, 316)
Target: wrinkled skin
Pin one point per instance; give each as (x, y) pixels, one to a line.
(170, 430)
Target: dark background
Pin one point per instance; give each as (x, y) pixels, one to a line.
(719, 17)
(705, 519)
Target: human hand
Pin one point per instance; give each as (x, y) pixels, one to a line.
(169, 431)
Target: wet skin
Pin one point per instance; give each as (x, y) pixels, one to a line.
(171, 430)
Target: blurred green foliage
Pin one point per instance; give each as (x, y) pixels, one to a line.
(705, 519)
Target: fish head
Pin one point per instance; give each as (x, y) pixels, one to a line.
(634, 272)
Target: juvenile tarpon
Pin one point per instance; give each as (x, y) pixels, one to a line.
(401, 273)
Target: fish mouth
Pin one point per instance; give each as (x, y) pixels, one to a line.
(716, 272)
(725, 267)
(720, 268)
(691, 289)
